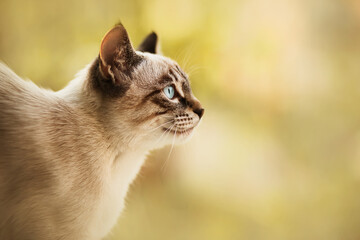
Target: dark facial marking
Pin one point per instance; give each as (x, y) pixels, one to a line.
(153, 93)
(186, 87)
(180, 72)
(184, 102)
(173, 75)
(165, 80)
(161, 113)
(105, 85)
(164, 103)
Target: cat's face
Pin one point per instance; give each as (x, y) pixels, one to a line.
(147, 96)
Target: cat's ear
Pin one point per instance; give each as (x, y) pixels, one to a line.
(150, 44)
(117, 54)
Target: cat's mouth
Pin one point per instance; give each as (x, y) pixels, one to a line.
(179, 131)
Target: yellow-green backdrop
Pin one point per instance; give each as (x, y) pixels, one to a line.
(277, 155)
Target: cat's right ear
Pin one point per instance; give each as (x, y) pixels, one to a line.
(150, 44)
(117, 55)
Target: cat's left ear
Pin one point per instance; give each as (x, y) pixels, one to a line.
(150, 44)
(117, 55)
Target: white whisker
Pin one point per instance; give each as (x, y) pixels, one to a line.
(172, 146)
(164, 134)
(151, 130)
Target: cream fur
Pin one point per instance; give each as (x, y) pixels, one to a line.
(67, 158)
(71, 181)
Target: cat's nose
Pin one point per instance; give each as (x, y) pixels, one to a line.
(195, 105)
(199, 112)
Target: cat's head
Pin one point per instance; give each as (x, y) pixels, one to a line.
(144, 96)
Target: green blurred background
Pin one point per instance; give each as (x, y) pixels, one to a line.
(277, 155)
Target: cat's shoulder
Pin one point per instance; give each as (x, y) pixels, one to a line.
(12, 84)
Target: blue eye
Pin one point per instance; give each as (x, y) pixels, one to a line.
(169, 92)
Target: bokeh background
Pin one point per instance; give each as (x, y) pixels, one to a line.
(277, 155)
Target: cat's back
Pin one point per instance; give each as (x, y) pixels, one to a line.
(25, 111)
(15, 90)
(20, 101)
(37, 124)
(22, 107)
(38, 165)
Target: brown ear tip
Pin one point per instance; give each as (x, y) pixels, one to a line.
(119, 24)
(117, 27)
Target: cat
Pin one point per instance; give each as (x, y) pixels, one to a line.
(67, 158)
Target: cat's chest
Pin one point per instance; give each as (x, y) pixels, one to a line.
(116, 181)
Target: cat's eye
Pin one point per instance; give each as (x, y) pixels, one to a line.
(169, 92)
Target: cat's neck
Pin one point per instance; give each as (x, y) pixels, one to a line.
(78, 92)
(80, 96)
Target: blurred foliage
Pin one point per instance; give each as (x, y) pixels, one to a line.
(277, 155)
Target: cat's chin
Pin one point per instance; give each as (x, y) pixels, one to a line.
(179, 136)
(170, 137)
(180, 132)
